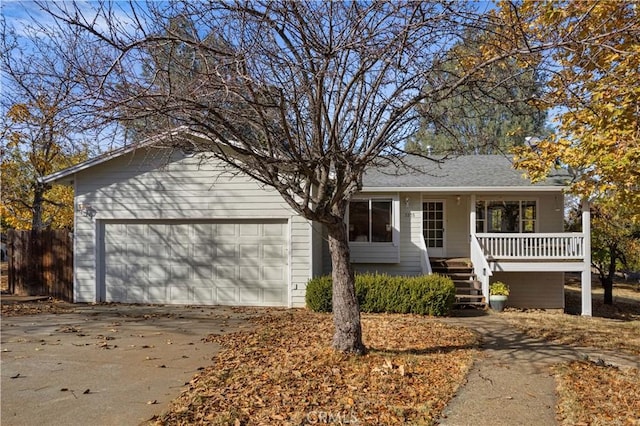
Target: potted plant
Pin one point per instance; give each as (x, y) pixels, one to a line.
(498, 293)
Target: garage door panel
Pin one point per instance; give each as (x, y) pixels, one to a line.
(226, 230)
(159, 252)
(203, 272)
(203, 231)
(273, 230)
(179, 293)
(227, 295)
(137, 272)
(180, 230)
(226, 250)
(226, 272)
(274, 295)
(249, 251)
(241, 263)
(273, 251)
(273, 273)
(116, 270)
(159, 278)
(157, 294)
(204, 251)
(249, 273)
(179, 251)
(250, 230)
(136, 250)
(115, 251)
(117, 293)
(134, 295)
(249, 295)
(136, 230)
(157, 233)
(180, 272)
(203, 294)
(116, 231)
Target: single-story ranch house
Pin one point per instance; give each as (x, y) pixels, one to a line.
(157, 225)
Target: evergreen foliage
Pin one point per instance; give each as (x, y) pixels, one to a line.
(422, 295)
(484, 116)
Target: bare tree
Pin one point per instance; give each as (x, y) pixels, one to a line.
(301, 96)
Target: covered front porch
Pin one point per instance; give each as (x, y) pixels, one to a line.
(524, 255)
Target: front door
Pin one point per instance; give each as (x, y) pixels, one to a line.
(433, 227)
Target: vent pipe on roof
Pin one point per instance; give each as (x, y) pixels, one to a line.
(429, 148)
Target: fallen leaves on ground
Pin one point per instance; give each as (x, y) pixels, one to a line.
(36, 308)
(592, 394)
(600, 333)
(611, 327)
(285, 373)
(588, 393)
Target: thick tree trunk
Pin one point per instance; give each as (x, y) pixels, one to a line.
(36, 209)
(346, 311)
(607, 283)
(608, 290)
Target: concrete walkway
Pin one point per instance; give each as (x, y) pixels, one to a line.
(511, 381)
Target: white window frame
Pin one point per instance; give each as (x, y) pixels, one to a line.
(395, 219)
(521, 218)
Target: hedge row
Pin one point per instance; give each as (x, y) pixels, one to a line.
(424, 295)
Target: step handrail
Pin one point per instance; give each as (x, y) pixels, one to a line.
(480, 265)
(425, 262)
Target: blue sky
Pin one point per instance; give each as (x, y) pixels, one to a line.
(19, 13)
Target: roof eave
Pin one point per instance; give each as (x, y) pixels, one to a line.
(458, 189)
(70, 171)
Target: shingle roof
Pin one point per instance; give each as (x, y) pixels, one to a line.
(469, 171)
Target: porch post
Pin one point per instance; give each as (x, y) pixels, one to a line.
(472, 215)
(586, 271)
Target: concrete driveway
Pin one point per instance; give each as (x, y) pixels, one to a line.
(105, 364)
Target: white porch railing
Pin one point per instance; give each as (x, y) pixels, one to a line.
(541, 246)
(481, 267)
(425, 263)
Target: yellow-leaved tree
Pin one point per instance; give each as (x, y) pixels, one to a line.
(594, 86)
(44, 127)
(30, 151)
(593, 66)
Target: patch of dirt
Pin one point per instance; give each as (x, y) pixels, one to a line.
(285, 373)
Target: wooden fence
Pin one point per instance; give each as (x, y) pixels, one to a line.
(41, 263)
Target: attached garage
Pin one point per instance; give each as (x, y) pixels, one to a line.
(163, 226)
(196, 262)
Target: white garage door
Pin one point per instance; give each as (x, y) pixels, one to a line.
(228, 263)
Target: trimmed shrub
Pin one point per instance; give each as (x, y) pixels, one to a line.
(319, 294)
(424, 295)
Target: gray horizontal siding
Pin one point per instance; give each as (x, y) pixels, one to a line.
(374, 253)
(363, 255)
(158, 185)
(534, 290)
(300, 259)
